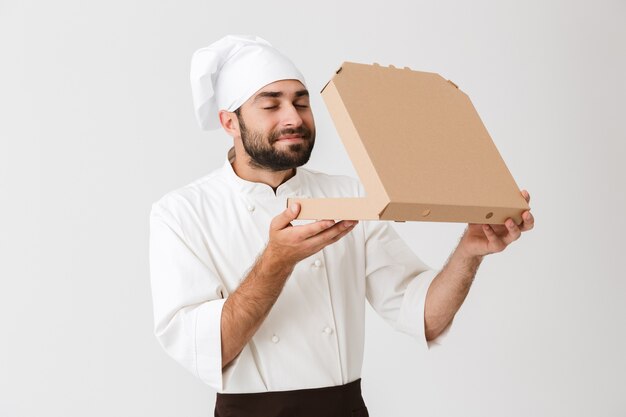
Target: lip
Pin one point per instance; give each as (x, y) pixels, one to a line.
(290, 138)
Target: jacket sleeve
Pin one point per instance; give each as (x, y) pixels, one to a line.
(397, 282)
(188, 298)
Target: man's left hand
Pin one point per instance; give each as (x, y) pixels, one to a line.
(484, 239)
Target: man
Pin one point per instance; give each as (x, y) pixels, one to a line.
(268, 313)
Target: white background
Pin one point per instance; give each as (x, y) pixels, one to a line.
(96, 123)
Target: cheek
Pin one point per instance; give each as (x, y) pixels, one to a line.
(267, 123)
(307, 118)
(262, 125)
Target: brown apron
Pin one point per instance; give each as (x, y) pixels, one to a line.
(338, 401)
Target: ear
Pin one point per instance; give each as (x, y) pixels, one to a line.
(229, 122)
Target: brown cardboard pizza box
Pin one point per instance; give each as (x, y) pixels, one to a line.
(419, 148)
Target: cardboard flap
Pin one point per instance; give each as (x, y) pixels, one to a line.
(351, 138)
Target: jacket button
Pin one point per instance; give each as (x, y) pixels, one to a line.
(275, 339)
(250, 208)
(317, 263)
(328, 330)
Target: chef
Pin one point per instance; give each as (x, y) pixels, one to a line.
(266, 310)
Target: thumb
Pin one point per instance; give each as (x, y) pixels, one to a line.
(285, 218)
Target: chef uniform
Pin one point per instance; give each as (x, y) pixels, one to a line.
(305, 359)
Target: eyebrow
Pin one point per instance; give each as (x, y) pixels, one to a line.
(276, 94)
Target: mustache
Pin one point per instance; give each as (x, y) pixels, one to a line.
(303, 131)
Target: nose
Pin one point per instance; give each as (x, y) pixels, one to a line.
(291, 117)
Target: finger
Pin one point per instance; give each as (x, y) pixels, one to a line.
(493, 238)
(326, 236)
(528, 221)
(308, 230)
(286, 217)
(514, 231)
(346, 230)
(526, 195)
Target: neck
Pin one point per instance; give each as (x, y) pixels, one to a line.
(247, 171)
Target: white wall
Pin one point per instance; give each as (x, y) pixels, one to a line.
(96, 123)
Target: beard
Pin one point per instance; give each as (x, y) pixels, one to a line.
(264, 155)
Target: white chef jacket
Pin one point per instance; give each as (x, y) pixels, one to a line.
(204, 238)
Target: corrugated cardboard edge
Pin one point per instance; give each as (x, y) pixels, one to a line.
(399, 211)
(335, 208)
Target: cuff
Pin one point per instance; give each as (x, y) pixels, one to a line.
(209, 343)
(411, 317)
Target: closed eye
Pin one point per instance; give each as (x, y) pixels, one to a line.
(302, 106)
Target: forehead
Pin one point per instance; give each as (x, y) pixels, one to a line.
(279, 89)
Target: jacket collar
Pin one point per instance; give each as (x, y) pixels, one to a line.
(259, 189)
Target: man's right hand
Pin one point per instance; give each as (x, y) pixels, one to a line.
(246, 308)
(290, 244)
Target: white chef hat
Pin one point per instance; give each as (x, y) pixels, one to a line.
(228, 72)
